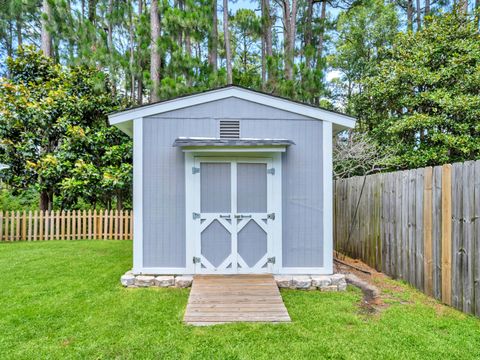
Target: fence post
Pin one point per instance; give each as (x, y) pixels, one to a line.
(447, 234)
(427, 231)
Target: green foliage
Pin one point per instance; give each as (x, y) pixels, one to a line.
(24, 200)
(363, 32)
(422, 100)
(54, 132)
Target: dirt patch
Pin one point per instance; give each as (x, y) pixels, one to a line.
(388, 291)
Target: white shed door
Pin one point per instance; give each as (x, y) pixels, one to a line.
(235, 224)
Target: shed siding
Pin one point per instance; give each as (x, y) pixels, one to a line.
(302, 188)
(164, 177)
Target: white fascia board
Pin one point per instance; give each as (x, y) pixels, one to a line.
(259, 98)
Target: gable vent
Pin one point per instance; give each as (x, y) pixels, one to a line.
(229, 129)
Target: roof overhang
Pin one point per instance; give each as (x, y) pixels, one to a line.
(123, 119)
(203, 144)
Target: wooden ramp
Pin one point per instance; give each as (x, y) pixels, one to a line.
(217, 299)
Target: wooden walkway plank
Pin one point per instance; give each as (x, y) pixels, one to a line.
(218, 299)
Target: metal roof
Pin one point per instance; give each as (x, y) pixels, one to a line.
(198, 141)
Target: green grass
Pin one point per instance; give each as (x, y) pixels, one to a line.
(64, 300)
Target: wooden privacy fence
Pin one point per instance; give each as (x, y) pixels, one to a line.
(422, 226)
(66, 225)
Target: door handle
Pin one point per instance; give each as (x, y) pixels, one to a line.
(237, 216)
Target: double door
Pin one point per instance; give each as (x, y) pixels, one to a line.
(236, 216)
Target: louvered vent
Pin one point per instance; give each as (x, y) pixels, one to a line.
(229, 129)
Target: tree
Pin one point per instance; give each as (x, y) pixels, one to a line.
(422, 100)
(356, 154)
(51, 121)
(246, 33)
(289, 34)
(46, 35)
(363, 32)
(155, 60)
(213, 37)
(226, 35)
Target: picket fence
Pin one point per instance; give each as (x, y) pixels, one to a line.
(66, 225)
(422, 226)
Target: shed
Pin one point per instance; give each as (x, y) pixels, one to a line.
(231, 181)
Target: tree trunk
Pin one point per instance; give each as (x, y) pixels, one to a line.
(140, 63)
(323, 15)
(419, 15)
(9, 44)
(226, 35)
(44, 200)
(92, 10)
(179, 4)
(188, 52)
(18, 24)
(132, 55)
(286, 39)
(155, 51)
(410, 15)
(427, 7)
(463, 5)
(110, 44)
(213, 38)
(267, 37)
(46, 37)
(110, 26)
(289, 27)
(71, 42)
(308, 34)
(264, 64)
(119, 201)
(267, 30)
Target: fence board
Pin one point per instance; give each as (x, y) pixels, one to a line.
(468, 232)
(427, 231)
(419, 240)
(437, 232)
(457, 238)
(476, 239)
(447, 234)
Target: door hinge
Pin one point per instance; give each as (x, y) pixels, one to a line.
(271, 171)
(271, 260)
(271, 216)
(195, 170)
(195, 216)
(196, 260)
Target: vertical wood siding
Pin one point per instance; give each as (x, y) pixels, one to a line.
(164, 177)
(422, 226)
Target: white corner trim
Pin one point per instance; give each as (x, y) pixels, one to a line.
(218, 94)
(137, 195)
(276, 198)
(327, 180)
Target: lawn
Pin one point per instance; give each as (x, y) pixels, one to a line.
(63, 299)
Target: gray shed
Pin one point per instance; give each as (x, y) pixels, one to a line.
(232, 181)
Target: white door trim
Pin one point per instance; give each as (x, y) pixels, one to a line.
(274, 204)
